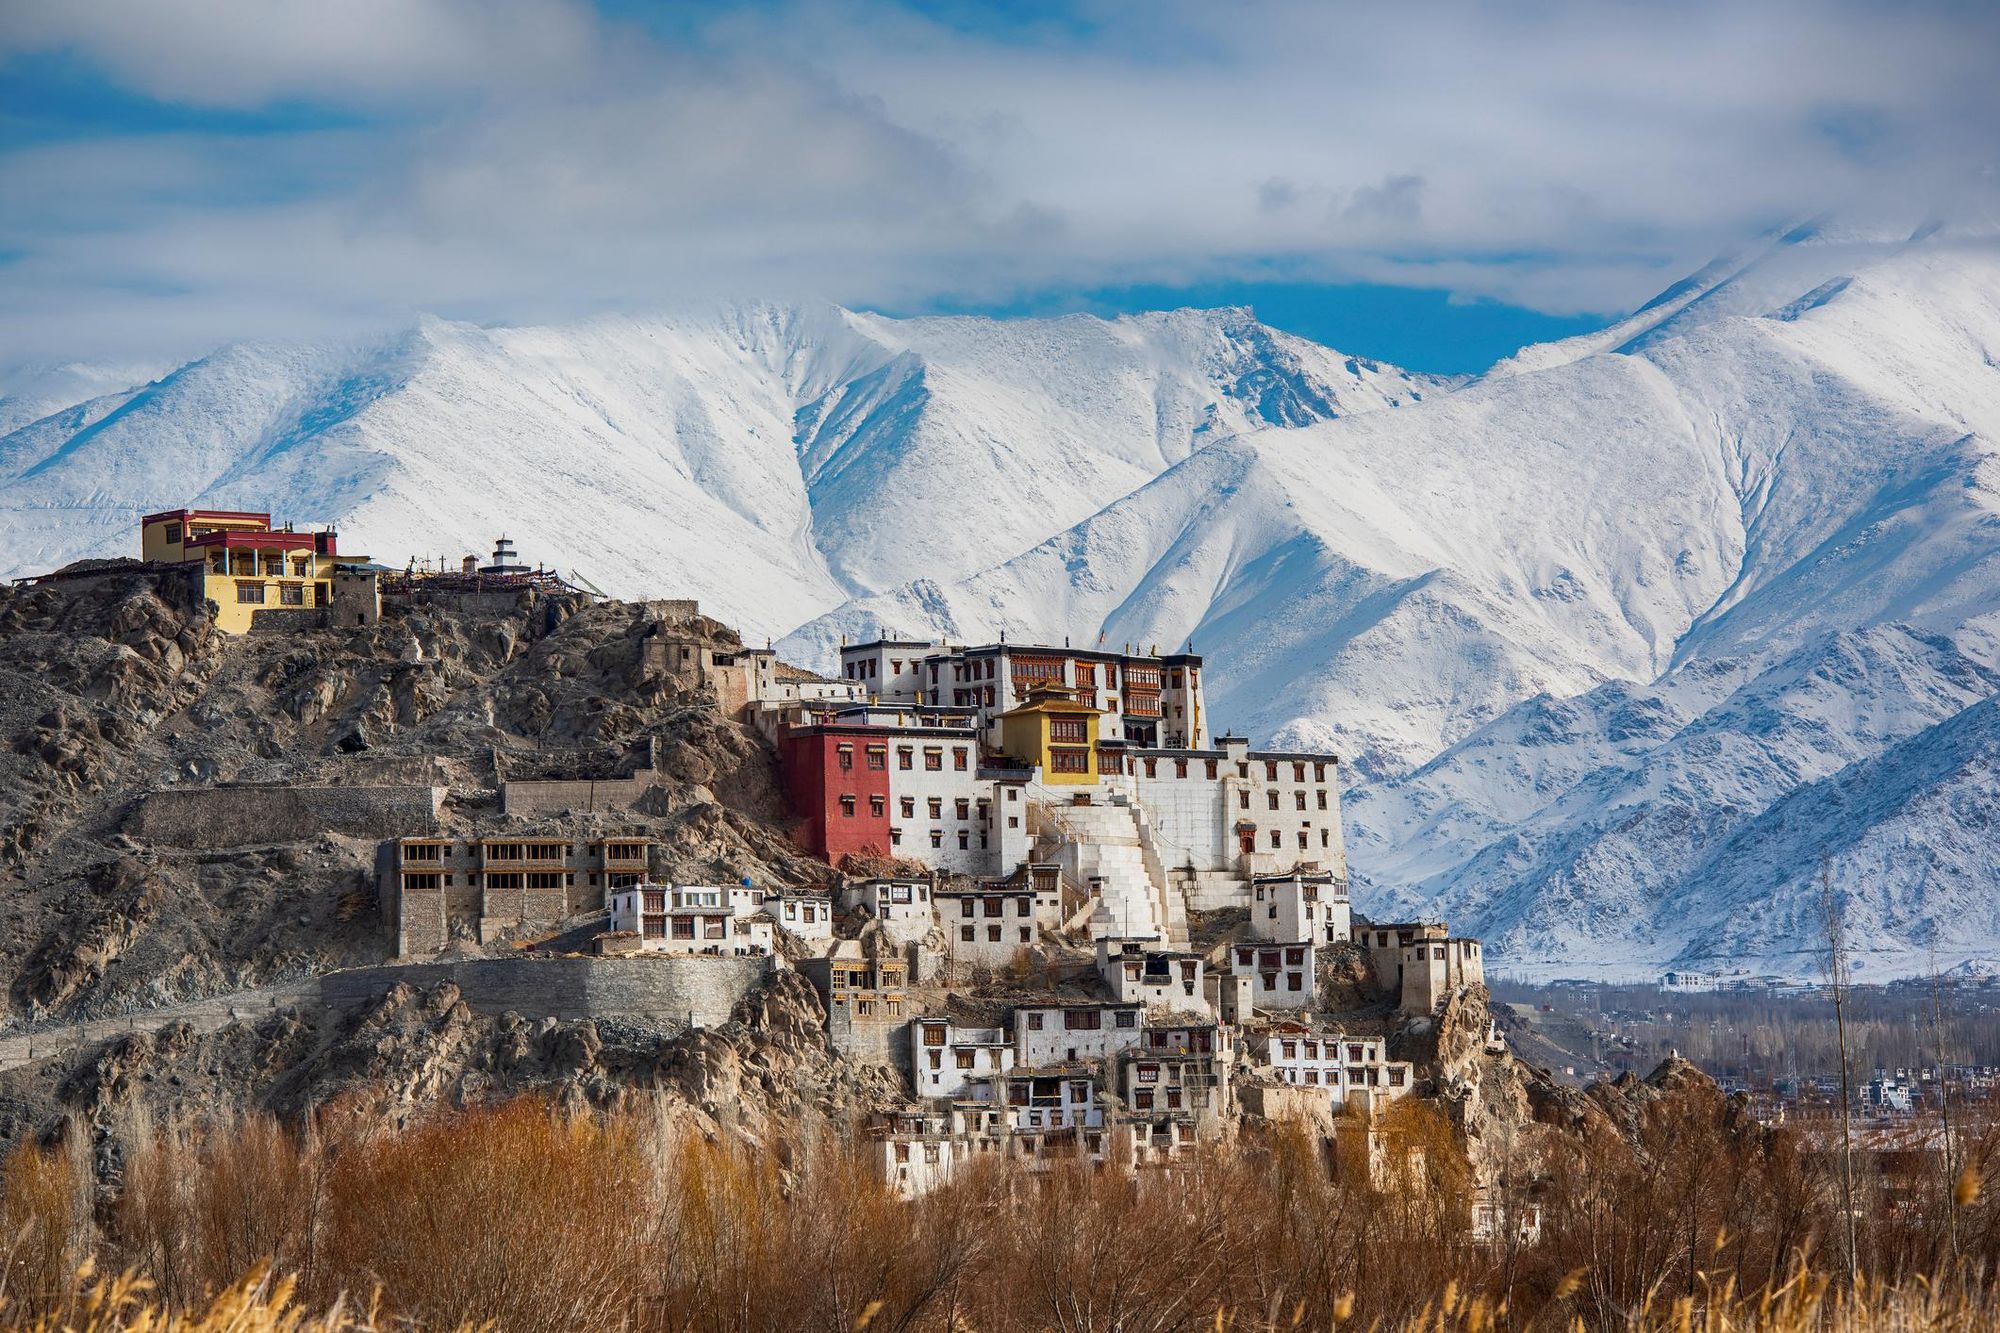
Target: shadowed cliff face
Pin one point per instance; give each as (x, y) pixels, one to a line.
(115, 683)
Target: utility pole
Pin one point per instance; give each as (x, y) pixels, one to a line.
(1836, 970)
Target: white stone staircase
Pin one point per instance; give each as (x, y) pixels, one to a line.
(1108, 846)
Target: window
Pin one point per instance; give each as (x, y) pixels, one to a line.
(937, 807)
(1298, 772)
(1180, 768)
(1322, 799)
(937, 837)
(1070, 761)
(846, 756)
(291, 594)
(1083, 1020)
(1319, 772)
(1270, 770)
(993, 934)
(904, 756)
(965, 933)
(895, 837)
(1302, 839)
(878, 806)
(909, 807)
(1295, 957)
(963, 1059)
(994, 906)
(1301, 802)
(1294, 981)
(1210, 766)
(964, 839)
(1273, 797)
(958, 758)
(1023, 907)
(966, 908)
(847, 807)
(1025, 936)
(964, 808)
(1243, 800)
(1126, 1018)
(1152, 768)
(250, 593)
(1277, 838)
(1034, 1022)
(878, 756)
(933, 759)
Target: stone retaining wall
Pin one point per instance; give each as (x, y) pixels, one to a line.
(532, 798)
(677, 992)
(232, 816)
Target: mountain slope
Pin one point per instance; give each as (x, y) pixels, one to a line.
(1591, 629)
(773, 459)
(1580, 622)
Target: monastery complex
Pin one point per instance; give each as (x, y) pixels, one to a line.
(1071, 917)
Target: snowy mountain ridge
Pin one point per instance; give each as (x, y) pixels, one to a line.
(1616, 639)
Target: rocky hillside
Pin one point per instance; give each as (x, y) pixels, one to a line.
(114, 683)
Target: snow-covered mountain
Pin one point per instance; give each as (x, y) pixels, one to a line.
(775, 459)
(1621, 640)
(1583, 625)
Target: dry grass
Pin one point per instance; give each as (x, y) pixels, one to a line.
(519, 1218)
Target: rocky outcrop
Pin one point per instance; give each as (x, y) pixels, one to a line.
(418, 1048)
(115, 685)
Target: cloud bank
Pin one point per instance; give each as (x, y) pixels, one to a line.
(284, 166)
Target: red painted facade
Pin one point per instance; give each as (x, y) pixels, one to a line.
(837, 779)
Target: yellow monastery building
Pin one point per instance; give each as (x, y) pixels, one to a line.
(1054, 732)
(247, 566)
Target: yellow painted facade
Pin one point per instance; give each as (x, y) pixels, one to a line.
(1055, 733)
(246, 566)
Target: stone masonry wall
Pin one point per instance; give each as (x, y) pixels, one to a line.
(549, 798)
(874, 1040)
(678, 992)
(229, 816)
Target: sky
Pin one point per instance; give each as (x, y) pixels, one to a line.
(1427, 183)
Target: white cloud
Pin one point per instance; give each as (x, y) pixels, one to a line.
(237, 53)
(527, 158)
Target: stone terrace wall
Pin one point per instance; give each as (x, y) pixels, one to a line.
(231, 816)
(678, 992)
(551, 798)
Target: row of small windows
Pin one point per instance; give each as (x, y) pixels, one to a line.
(253, 594)
(966, 934)
(1211, 767)
(962, 807)
(906, 757)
